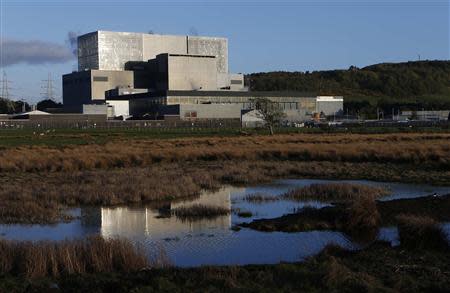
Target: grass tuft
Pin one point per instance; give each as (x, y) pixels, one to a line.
(421, 233)
(199, 211)
(260, 198)
(335, 192)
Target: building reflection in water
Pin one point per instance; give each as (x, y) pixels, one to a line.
(129, 222)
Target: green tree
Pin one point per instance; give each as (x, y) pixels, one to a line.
(45, 104)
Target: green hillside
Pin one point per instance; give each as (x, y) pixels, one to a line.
(399, 86)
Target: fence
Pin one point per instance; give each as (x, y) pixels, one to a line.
(115, 124)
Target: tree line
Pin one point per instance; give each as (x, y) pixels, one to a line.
(388, 86)
(8, 106)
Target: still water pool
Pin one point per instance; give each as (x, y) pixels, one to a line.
(212, 241)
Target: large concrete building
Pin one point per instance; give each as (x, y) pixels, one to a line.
(147, 75)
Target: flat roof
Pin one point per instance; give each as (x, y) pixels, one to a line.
(152, 34)
(212, 94)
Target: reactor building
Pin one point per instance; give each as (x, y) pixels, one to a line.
(160, 76)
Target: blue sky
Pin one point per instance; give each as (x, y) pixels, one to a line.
(263, 35)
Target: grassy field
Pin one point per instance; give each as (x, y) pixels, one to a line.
(65, 137)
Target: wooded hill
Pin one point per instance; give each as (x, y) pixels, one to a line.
(400, 86)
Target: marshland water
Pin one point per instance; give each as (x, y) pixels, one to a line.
(215, 240)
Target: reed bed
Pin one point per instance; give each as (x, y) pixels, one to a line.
(44, 197)
(388, 148)
(53, 259)
(200, 211)
(39, 183)
(335, 192)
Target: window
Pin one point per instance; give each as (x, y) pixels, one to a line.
(100, 78)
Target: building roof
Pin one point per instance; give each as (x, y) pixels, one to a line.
(35, 112)
(151, 34)
(212, 94)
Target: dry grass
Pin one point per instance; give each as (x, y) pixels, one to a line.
(388, 148)
(260, 198)
(39, 183)
(339, 277)
(200, 211)
(421, 232)
(44, 197)
(335, 192)
(362, 219)
(90, 255)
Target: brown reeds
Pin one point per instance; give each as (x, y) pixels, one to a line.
(335, 192)
(422, 233)
(361, 219)
(89, 255)
(199, 211)
(39, 183)
(260, 198)
(388, 148)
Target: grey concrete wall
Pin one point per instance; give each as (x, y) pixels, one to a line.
(330, 105)
(192, 73)
(104, 80)
(95, 109)
(211, 111)
(236, 81)
(307, 104)
(210, 46)
(86, 86)
(154, 45)
(105, 50)
(117, 48)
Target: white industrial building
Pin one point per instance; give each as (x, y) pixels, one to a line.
(163, 76)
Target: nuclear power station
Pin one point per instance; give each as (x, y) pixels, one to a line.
(163, 76)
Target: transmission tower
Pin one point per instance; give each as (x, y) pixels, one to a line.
(5, 86)
(48, 88)
(6, 91)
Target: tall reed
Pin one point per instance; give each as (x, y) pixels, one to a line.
(89, 255)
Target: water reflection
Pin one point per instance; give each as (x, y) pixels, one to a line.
(124, 221)
(211, 241)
